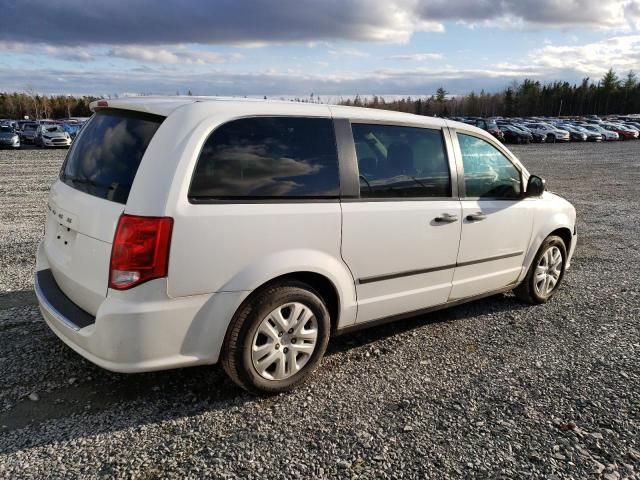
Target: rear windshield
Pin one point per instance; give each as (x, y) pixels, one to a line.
(104, 159)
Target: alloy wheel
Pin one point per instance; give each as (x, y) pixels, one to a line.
(548, 271)
(284, 341)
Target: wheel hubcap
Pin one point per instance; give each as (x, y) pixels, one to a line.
(548, 271)
(284, 341)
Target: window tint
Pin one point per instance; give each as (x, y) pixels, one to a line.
(487, 172)
(104, 159)
(399, 161)
(268, 157)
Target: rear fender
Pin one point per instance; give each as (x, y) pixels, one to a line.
(301, 260)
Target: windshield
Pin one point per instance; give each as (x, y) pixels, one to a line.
(53, 129)
(4, 129)
(491, 124)
(71, 128)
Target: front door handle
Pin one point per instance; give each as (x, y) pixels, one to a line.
(446, 218)
(476, 217)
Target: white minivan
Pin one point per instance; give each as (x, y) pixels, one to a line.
(186, 231)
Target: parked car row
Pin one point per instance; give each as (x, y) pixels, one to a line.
(43, 133)
(554, 129)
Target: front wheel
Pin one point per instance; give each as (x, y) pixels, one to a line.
(277, 338)
(545, 273)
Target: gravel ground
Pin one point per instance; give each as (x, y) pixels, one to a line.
(490, 389)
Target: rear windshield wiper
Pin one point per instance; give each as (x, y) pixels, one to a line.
(87, 181)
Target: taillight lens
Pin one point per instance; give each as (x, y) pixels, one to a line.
(140, 250)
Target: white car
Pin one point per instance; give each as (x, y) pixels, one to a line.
(607, 135)
(186, 231)
(51, 136)
(552, 133)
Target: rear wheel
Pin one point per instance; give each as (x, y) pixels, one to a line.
(545, 273)
(277, 338)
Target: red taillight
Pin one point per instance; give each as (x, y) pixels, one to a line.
(102, 103)
(140, 250)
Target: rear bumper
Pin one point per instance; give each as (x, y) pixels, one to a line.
(141, 329)
(122, 338)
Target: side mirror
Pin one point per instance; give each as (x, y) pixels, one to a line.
(535, 186)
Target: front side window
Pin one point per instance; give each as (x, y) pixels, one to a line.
(487, 172)
(396, 161)
(268, 157)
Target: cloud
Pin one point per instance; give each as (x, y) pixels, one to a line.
(417, 81)
(169, 57)
(260, 22)
(232, 22)
(348, 52)
(600, 14)
(63, 53)
(157, 55)
(593, 59)
(417, 57)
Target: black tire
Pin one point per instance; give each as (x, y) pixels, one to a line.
(526, 291)
(551, 138)
(236, 351)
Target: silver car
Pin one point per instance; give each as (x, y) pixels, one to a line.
(8, 137)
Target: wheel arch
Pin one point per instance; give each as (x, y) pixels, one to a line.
(565, 234)
(557, 225)
(322, 285)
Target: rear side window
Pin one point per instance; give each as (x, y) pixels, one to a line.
(268, 157)
(395, 161)
(105, 157)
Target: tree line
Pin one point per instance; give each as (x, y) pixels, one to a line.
(18, 105)
(610, 95)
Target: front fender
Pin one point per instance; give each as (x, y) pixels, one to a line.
(547, 220)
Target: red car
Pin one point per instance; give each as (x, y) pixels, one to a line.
(625, 134)
(490, 126)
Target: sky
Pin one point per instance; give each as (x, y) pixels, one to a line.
(331, 48)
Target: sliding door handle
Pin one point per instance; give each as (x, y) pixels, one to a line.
(446, 218)
(476, 217)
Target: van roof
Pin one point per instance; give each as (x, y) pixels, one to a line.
(165, 105)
